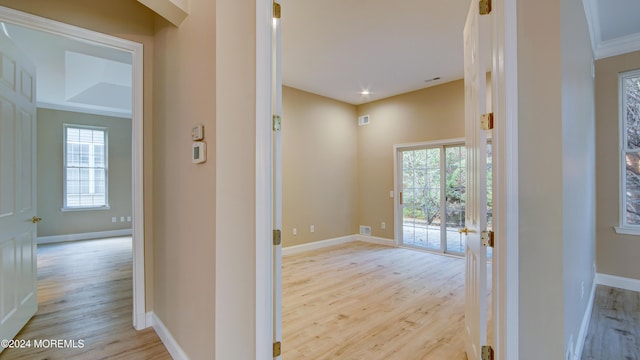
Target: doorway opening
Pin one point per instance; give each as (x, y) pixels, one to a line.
(112, 53)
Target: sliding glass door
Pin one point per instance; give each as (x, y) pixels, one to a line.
(432, 196)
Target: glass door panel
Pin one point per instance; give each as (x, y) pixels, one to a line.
(455, 194)
(421, 198)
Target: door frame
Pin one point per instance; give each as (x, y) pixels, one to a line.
(505, 141)
(54, 27)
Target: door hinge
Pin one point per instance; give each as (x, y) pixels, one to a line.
(487, 353)
(277, 237)
(485, 7)
(486, 238)
(277, 349)
(276, 10)
(277, 123)
(487, 121)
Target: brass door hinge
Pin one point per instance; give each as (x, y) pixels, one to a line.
(487, 121)
(277, 237)
(485, 7)
(486, 238)
(277, 123)
(487, 353)
(276, 10)
(277, 349)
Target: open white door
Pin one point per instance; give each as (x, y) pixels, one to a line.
(476, 48)
(18, 299)
(277, 179)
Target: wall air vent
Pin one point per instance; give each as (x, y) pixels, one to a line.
(363, 120)
(365, 230)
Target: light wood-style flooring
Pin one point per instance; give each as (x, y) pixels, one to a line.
(85, 292)
(366, 301)
(614, 329)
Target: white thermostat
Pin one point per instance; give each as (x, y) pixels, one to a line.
(197, 132)
(199, 152)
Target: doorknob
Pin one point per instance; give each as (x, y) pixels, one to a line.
(464, 230)
(36, 219)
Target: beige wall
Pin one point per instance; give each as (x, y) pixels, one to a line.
(129, 20)
(50, 174)
(435, 113)
(617, 254)
(319, 167)
(235, 211)
(185, 193)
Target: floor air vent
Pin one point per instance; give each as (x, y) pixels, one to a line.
(365, 230)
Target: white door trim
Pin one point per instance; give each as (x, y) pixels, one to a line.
(38, 23)
(504, 89)
(264, 186)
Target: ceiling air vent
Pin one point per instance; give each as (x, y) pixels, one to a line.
(363, 120)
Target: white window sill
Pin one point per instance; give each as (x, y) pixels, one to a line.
(96, 208)
(625, 230)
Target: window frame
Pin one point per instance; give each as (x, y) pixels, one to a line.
(105, 130)
(624, 227)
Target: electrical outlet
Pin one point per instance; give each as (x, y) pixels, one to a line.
(121, 218)
(312, 228)
(383, 225)
(391, 194)
(113, 219)
(128, 218)
(295, 231)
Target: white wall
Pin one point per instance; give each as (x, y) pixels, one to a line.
(579, 177)
(556, 175)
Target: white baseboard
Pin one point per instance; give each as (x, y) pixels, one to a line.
(586, 319)
(618, 281)
(375, 240)
(83, 236)
(296, 249)
(167, 339)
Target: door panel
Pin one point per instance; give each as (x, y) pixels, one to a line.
(475, 50)
(18, 300)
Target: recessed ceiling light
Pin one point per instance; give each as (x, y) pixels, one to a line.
(365, 92)
(433, 79)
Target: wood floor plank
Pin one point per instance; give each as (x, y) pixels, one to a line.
(366, 301)
(85, 293)
(614, 329)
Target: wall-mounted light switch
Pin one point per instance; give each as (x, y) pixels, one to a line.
(197, 132)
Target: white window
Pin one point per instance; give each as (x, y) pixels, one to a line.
(85, 168)
(630, 153)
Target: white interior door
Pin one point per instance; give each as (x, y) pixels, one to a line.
(18, 300)
(476, 47)
(277, 177)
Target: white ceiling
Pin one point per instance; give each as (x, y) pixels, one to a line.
(77, 75)
(614, 26)
(338, 48)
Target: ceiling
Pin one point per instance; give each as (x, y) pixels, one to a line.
(334, 48)
(614, 26)
(77, 75)
(338, 48)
